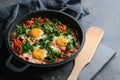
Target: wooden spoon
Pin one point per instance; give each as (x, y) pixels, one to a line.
(93, 38)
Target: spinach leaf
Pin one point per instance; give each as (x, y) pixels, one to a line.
(50, 59)
(44, 44)
(56, 22)
(68, 32)
(58, 55)
(46, 28)
(26, 47)
(73, 41)
(56, 32)
(49, 22)
(50, 37)
(69, 46)
(21, 30)
(35, 44)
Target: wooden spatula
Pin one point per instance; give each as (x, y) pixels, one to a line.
(93, 38)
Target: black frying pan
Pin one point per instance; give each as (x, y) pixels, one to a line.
(63, 17)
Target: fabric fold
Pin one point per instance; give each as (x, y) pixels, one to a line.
(9, 14)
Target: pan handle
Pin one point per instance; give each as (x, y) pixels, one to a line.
(71, 11)
(13, 66)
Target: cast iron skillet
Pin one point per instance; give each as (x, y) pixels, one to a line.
(62, 16)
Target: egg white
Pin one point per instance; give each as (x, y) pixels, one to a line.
(45, 52)
(69, 37)
(55, 48)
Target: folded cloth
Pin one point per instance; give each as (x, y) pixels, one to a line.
(10, 13)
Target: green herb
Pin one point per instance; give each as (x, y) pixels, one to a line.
(35, 27)
(50, 37)
(57, 55)
(35, 44)
(68, 32)
(49, 30)
(26, 47)
(49, 49)
(56, 32)
(37, 22)
(56, 22)
(49, 22)
(69, 46)
(44, 43)
(21, 30)
(50, 59)
(43, 40)
(73, 42)
(46, 28)
(47, 44)
(66, 55)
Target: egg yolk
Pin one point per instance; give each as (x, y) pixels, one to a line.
(38, 54)
(61, 41)
(35, 33)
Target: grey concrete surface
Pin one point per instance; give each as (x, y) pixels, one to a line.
(106, 14)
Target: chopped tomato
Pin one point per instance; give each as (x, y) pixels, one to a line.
(28, 22)
(59, 59)
(26, 58)
(62, 28)
(72, 51)
(43, 21)
(17, 43)
(42, 62)
(59, 51)
(34, 19)
(64, 57)
(52, 44)
(13, 36)
(23, 25)
(65, 51)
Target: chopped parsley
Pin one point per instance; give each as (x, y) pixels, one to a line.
(21, 30)
(68, 32)
(56, 22)
(26, 47)
(69, 46)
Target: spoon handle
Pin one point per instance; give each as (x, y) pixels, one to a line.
(93, 38)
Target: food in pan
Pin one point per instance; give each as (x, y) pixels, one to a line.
(44, 41)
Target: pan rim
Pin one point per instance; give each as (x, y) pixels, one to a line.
(52, 64)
